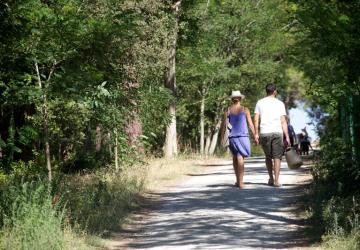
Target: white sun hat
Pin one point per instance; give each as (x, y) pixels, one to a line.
(237, 93)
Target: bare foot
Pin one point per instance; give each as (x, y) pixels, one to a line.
(277, 184)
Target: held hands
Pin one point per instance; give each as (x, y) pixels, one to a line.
(256, 137)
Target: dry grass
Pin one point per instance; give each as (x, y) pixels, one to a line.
(162, 173)
(81, 241)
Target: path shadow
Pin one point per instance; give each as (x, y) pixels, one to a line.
(213, 164)
(207, 174)
(216, 230)
(229, 163)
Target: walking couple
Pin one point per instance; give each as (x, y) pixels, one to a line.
(273, 126)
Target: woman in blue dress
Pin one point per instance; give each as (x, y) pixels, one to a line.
(237, 120)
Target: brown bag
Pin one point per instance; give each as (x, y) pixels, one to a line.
(293, 160)
(225, 138)
(227, 128)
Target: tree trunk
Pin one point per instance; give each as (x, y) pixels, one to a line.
(202, 124)
(45, 124)
(133, 129)
(351, 127)
(116, 159)
(109, 143)
(46, 139)
(208, 141)
(215, 137)
(170, 147)
(59, 152)
(11, 138)
(98, 138)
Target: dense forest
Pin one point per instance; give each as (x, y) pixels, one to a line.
(94, 87)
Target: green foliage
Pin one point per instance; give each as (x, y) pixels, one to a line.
(224, 46)
(334, 216)
(100, 201)
(35, 215)
(326, 47)
(342, 242)
(154, 118)
(97, 66)
(29, 220)
(335, 162)
(96, 61)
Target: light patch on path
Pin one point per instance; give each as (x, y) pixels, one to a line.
(208, 212)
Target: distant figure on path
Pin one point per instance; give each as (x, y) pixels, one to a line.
(273, 126)
(305, 144)
(239, 119)
(291, 131)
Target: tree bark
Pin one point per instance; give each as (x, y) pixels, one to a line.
(109, 143)
(11, 138)
(133, 126)
(215, 137)
(133, 130)
(45, 122)
(116, 158)
(98, 138)
(59, 152)
(170, 147)
(207, 142)
(202, 124)
(352, 128)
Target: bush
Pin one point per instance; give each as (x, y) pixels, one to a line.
(342, 217)
(95, 202)
(334, 215)
(342, 242)
(101, 200)
(30, 221)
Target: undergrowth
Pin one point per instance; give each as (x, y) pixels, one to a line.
(334, 198)
(72, 211)
(65, 214)
(30, 221)
(100, 201)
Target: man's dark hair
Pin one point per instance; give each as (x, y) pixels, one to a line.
(270, 88)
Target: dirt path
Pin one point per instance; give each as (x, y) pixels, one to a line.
(207, 212)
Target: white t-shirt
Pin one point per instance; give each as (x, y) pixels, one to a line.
(270, 110)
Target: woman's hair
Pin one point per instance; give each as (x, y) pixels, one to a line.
(236, 99)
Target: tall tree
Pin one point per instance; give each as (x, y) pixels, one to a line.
(170, 147)
(327, 35)
(232, 47)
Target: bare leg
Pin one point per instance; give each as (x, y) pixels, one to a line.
(269, 166)
(240, 164)
(277, 163)
(235, 165)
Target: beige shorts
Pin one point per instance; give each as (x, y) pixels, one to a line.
(273, 145)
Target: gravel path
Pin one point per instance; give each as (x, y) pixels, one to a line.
(207, 212)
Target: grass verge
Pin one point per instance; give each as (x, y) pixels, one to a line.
(333, 215)
(77, 208)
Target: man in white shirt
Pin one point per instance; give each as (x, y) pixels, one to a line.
(273, 127)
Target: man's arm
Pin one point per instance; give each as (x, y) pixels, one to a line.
(256, 125)
(285, 129)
